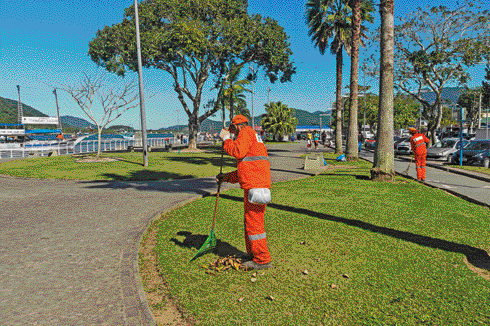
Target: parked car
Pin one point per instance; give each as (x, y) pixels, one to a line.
(369, 143)
(445, 149)
(404, 147)
(399, 140)
(476, 152)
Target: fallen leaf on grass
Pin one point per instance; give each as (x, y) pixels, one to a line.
(241, 299)
(254, 274)
(253, 279)
(345, 276)
(210, 272)
(305, 272)
(224, 264)
(333, 286)
(262, 273)
(270, 297)
(303, 242)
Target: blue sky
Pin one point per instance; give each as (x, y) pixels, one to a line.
(45, 43)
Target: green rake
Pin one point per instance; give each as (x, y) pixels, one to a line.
(210, 242)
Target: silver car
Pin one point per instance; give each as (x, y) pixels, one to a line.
(404, 147)
(445, 149)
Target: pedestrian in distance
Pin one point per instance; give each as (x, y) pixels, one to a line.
(316, 138)
(419, 143)
(324, 137)
(254, 176)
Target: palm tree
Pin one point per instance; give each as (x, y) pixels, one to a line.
(383, 167)
(279, 119)
(234, 90)
(331, 19)
(361, 11)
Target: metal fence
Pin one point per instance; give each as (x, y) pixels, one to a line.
(83, 147)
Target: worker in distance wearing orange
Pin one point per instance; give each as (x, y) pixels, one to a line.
(419, 143)
(254, 176)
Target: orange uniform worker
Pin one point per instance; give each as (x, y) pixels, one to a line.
(419, 143)
(254, 176)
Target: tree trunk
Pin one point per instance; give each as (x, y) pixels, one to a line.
(224, 114)
(193, 129)
(338, 102)
(231, 108)
(99, 136)
(383, 167)
(352, 140)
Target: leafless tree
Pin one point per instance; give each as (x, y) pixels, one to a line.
(103, 101)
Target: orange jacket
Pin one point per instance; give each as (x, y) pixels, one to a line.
(418, 142)
(253, 168)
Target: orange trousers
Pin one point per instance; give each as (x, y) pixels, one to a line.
(255, 236)
(420, 165)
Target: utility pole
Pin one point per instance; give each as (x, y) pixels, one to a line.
(322, 115)
(58, 110)
(268, 95)
(20, 111)
(479, 113)
(142, 97)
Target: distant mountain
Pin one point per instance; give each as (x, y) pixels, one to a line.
(305, 118)
(120, 128)
(8, 111)
(77, 123)
(448, 94)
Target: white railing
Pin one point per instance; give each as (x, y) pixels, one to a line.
(83, 147)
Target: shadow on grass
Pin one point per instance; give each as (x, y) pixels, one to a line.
(223, 249)
(295, 172)
(147, 175)
(128, 161)
(215, 161)
(339, 173)
(475, 256)
(176, 188)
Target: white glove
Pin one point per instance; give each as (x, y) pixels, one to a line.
(224, 134)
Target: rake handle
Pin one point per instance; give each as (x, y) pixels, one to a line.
(219, 187)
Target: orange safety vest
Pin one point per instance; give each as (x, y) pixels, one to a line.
(418, 143)
(253, 167)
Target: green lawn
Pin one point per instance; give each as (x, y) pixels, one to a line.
(402, 246)
(162, 166)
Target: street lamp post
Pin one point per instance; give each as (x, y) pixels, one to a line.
(142, 97)
(58, 111)
(20, 111)
(461, 136)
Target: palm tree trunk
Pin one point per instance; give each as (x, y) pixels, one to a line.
(352, 140)
(383, 168)
(224, 113)
(338, 102)
(231, 107)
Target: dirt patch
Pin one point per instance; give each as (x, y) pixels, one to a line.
(188, 150)
(94, 159)
(480, 271)
(162, 306)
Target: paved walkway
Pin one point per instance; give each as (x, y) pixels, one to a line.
(69, 249)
